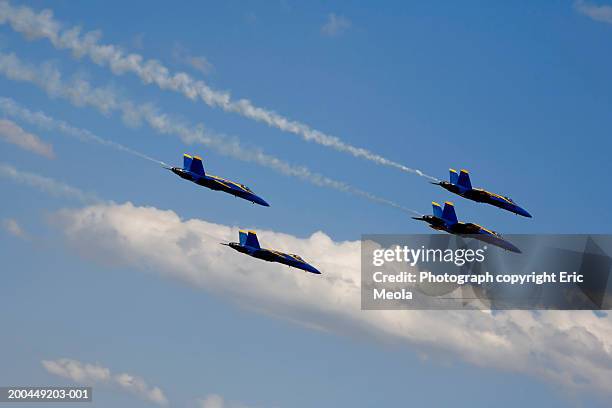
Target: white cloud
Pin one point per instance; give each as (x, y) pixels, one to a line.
(199, 63)
(45, 184)
(94, 374)
(12, 227)
(76, 371)
(601, 13)
(10, 132)
(212, 401)
(217, 401)
(43, 25)
(570, 348)
(335, 25)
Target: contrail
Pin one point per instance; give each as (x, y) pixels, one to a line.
(12, 133)
(43, 25)
(45, 184)
(81, 93)
(42, 120)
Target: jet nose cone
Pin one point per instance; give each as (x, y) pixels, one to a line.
(511, 247)
(312, 269)
(516, 250)
(261, 201)
(523, 212)
(255, 199)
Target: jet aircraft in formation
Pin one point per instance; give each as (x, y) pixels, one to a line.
(442, 219)
(460, 184)
(249, 244)
(193, 170)
(446, 220)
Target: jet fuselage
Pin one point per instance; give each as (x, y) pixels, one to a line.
(483, 196)
(274, 256)
(220, 184)
(469, 229)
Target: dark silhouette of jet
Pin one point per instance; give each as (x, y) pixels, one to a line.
(250, 245)
(460, 184)
(446, 220)
(193, 170)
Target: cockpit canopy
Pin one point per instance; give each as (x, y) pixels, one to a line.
(497, 234)
(246, 188)
(299, 258)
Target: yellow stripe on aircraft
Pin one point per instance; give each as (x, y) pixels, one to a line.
(222, 180)
(506, 199)
(488, 230)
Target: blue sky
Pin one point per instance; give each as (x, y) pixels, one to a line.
(516, 93)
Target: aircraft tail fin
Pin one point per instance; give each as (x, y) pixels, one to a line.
(437, 209)
(193, 164)
(243, 237)
(187, 159)
(251, 240)
(454, 176)
(449, 212)
(464, 180)
(197, 166)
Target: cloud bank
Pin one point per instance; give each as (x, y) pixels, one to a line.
(569, 348)
(94, 374)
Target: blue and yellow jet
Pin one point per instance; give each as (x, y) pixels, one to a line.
(193, 170)
(250, 245)
(460, 184)
(446, 220)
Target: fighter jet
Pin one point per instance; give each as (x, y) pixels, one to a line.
(460, 184)
(193, 170)
(250, 245)
(446, 220)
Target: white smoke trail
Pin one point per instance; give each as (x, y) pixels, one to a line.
(12, 133)
(45, 184)
(81, 93)
(43, 25)
(9, 107)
